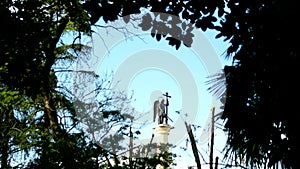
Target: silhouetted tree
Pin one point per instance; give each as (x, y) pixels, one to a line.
(259, 111)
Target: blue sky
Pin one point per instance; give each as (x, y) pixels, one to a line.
(146, 68)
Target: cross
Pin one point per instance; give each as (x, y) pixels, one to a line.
(167, 104)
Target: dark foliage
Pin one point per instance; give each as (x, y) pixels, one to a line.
(260, 111)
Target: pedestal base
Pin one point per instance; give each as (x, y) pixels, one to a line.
(162, 132)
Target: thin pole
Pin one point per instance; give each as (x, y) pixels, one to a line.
(130, 146)
(148, 147)
(217, 162)
(211, 157)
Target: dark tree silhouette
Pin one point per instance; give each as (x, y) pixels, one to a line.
(260, 109)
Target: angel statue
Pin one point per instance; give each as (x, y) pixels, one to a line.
(159, 110)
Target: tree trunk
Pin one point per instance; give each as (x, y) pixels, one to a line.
(7, 116)
(194, 146)
(51, 116)
(59, 134)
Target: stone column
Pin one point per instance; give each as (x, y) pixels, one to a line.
(162, 132)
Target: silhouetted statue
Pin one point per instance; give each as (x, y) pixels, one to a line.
(159, 110)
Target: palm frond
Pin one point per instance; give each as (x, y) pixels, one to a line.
(217, 84)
